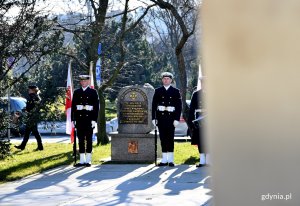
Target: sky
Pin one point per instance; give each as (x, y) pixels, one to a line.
(63, 6)
(67, 6)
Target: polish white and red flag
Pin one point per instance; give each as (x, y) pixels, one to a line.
(69, 95)
(199, 78)
(92, 85)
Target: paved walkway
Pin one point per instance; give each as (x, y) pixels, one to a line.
(112, 184)
(46, 138)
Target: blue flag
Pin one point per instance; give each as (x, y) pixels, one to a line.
(99, 48)
(98, 72)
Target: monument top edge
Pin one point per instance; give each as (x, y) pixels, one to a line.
(146, 85)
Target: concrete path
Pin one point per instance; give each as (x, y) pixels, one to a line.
(46, 138)
(109, 184)
(112, 184)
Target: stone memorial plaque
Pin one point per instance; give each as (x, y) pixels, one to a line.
(134, 108)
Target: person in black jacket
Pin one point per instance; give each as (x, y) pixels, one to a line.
(195, 122)
(32, 118)
(84, 115)
(166, 111)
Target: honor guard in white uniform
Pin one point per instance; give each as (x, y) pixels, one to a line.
(196, 119)
(195, 122)
(166, 111)
(84, 114)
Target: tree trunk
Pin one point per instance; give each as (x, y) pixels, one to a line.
(102, 137)
(100, 14)
(97, 28)
(179, 49)
(183, 81)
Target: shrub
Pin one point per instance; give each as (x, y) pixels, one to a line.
(4, 140)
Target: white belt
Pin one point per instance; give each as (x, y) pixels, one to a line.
(164, 108)
(84, 107)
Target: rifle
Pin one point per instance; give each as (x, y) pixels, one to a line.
(155, 141)
(74, 147)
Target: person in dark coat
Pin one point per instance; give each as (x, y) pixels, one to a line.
(166, 111)
(84, 115)
(195, 122)
(32, 118)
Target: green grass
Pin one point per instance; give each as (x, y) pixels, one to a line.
(185, 153)
(23, 163)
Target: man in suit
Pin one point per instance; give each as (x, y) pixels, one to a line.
(166, 111)
(84, 114)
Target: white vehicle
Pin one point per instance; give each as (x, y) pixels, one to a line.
(182, 128)
(112, 125)
(17, 107)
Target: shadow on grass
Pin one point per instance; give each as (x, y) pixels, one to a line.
(191, 161)
(4, 174)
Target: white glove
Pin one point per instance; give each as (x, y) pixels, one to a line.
(73, 124)
(175, 123)
(161, 108)
(154, 122)
(93, 124)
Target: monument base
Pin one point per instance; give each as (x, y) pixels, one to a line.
(134, 147)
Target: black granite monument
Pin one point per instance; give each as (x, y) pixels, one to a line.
(135, 140)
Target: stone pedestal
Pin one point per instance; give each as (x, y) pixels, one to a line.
(134, 147)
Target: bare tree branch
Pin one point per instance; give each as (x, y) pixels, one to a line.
(122, 48)
(122, 13)
(139, 19)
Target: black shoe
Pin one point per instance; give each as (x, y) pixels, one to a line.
(79, 165)
(39, 149)
(19, 147)
(162, 164)
(171, 164)
(87, 164)
(201, 165)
